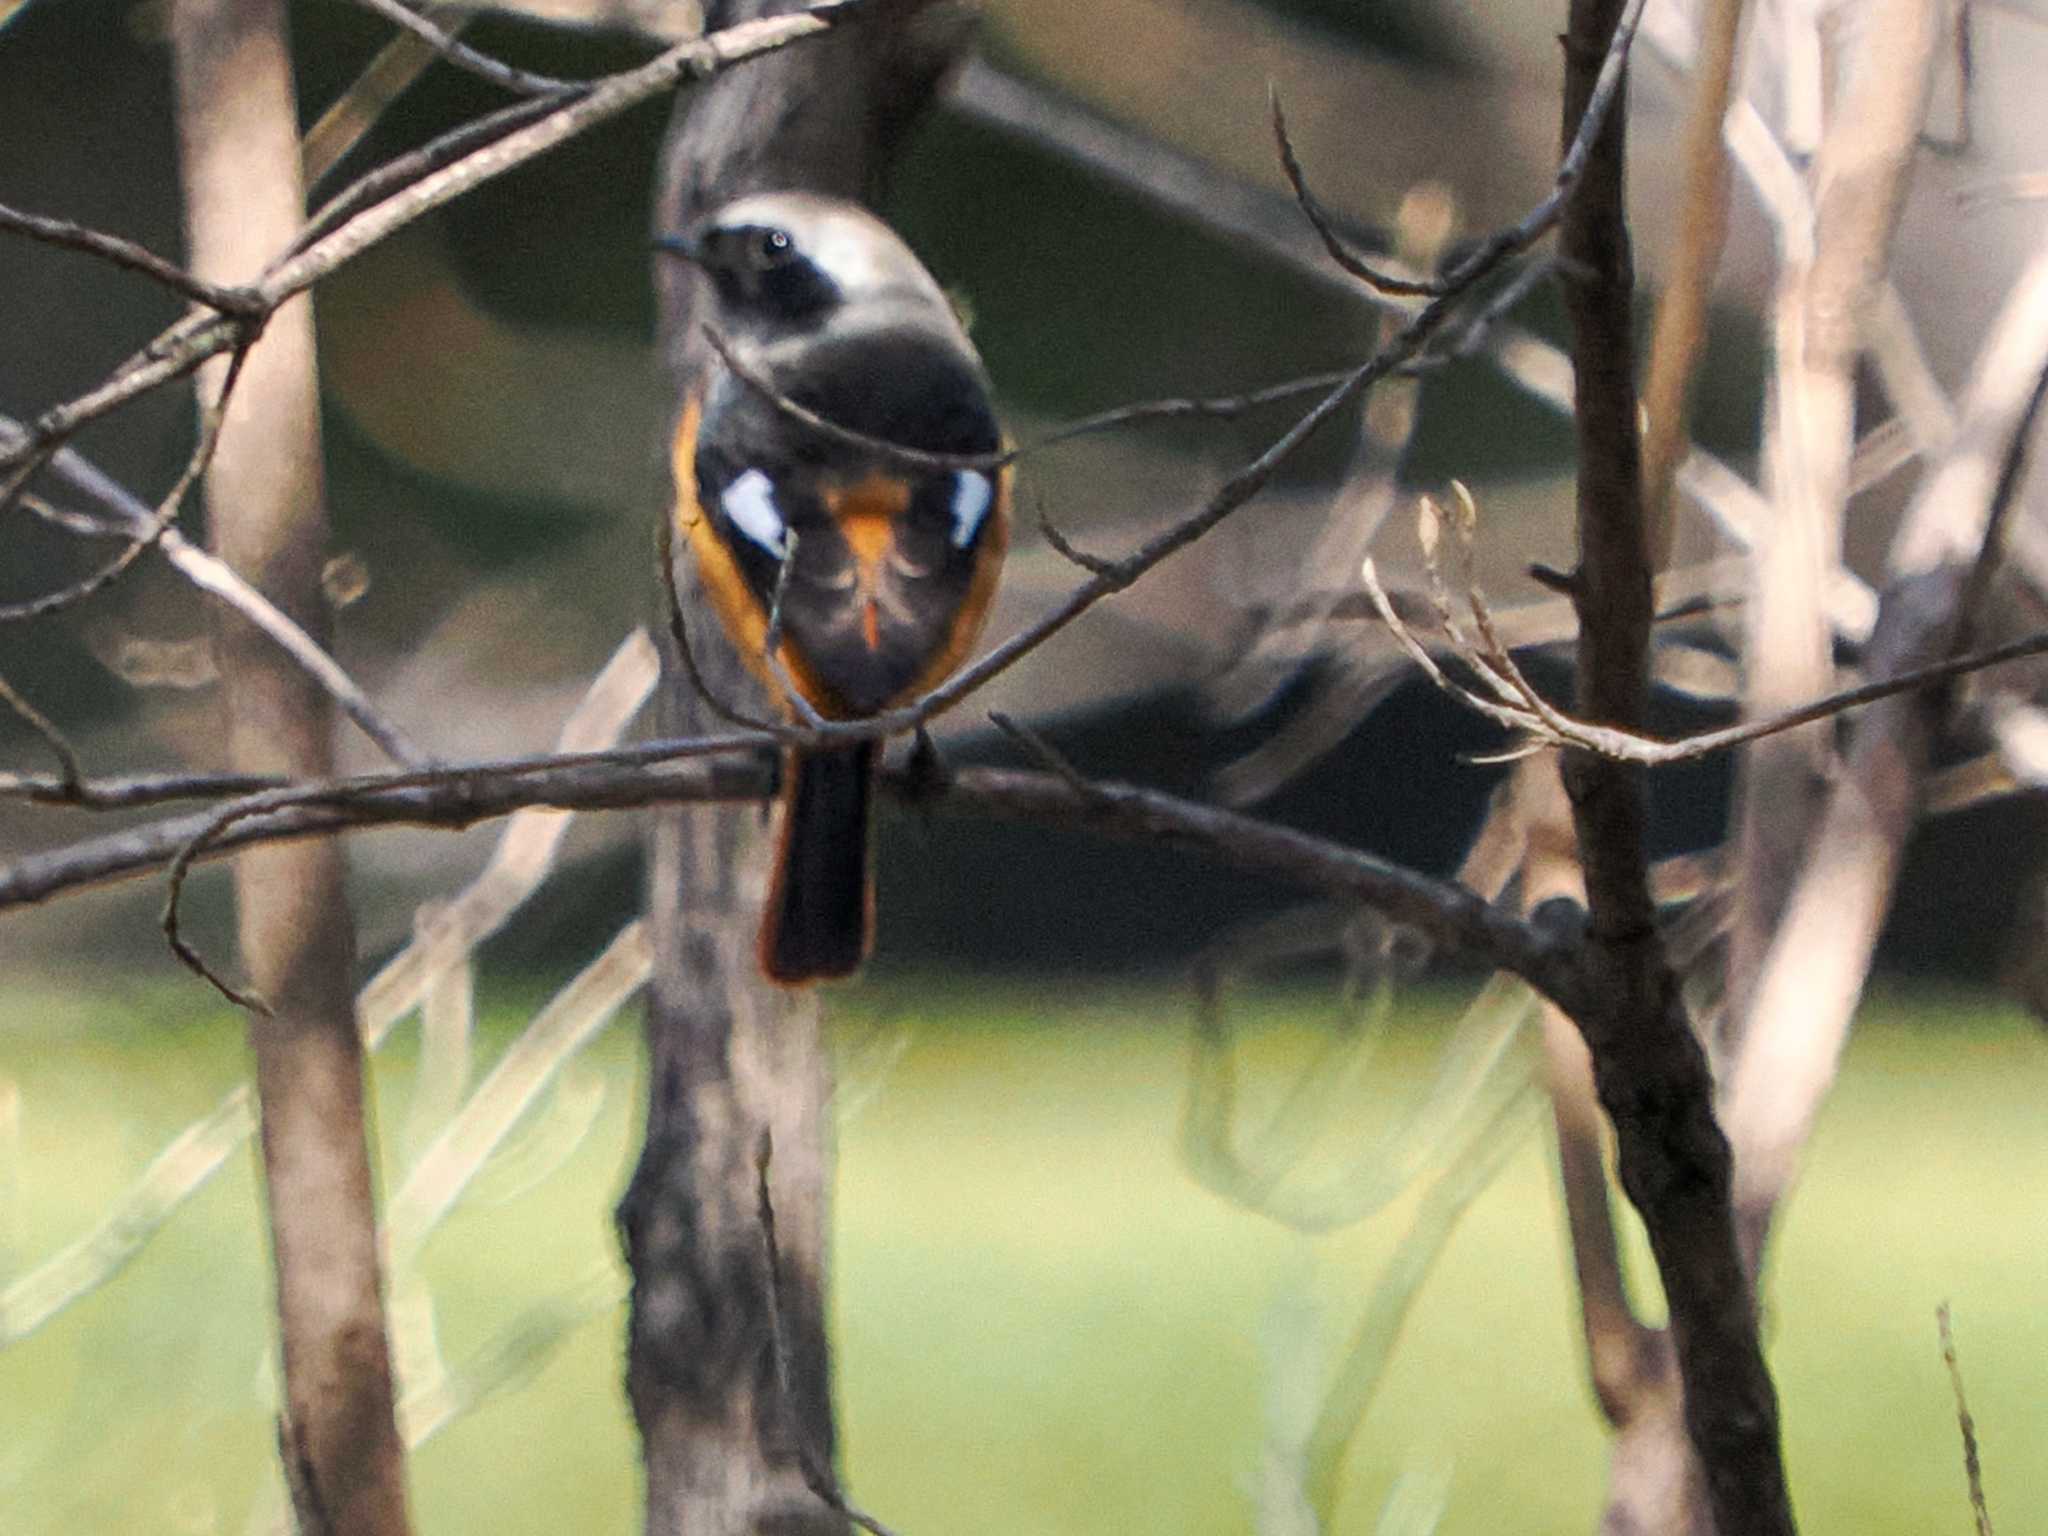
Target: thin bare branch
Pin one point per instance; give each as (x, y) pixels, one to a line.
(1649, 1069)
(129, 518)
(71, 769)
(523, 82)
(462, 795)
(1533, 226)
(1973, 1469)
(1350, 261)
(1547, 726)
(538, 127)
(212, 416)
(1176, 408)
(244, 303)
(383, 80)
(454, 795)
(403, 170)
(1150, 168)
(1049, 757)
(1580, 150)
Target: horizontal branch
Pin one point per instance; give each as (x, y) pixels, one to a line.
(1453, 917)
(449, 798)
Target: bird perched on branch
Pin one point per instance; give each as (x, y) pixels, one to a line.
(855, 577)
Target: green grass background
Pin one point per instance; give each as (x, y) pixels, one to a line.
(1044, 1327)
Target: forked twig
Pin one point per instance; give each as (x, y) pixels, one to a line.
(244, 303)
(129, 517)
(211, 418)
(1518, 705)
(70, 768)
(1517, 237)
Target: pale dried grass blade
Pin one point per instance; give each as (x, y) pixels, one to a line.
(511, 1358)
(527, 849)
(355, 112)
(1292, 1357)
(545, 1138)
(1495, 856)
(1477, 1158)
(1478, 1064)
(1695, 672)
(1881, 453)
(10, 1174)
(521, 862)
(415, 1335)
(569, 1022)
(1416, 1503)
(861, 1071)
(82, 1267)
(447, 1030)
(2021, 733)
(1908, 378)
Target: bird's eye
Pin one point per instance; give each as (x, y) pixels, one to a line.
(771, 248)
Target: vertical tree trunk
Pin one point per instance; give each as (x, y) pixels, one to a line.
(238, 132)
(1649, 1069)
(729, 1447)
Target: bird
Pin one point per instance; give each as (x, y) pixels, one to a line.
(858, 578)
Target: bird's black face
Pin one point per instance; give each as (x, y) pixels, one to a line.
(760, 273)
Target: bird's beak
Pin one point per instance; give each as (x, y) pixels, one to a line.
(681, 245)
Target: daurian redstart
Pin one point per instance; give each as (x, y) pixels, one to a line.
(873, 573)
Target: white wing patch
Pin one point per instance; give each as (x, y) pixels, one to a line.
(972, 494)
(749, 502)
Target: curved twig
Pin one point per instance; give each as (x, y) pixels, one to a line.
(508, 76)
(1319, 220)
(245, 303)
(141, 541)
(129, 517)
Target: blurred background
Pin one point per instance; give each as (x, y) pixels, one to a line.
(491, 417)
(1046, 1324)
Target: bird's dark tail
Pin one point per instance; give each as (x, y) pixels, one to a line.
(820, 918)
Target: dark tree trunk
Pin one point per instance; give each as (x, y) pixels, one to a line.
(734, 1064)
